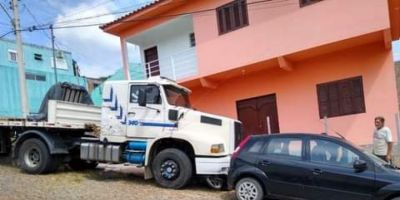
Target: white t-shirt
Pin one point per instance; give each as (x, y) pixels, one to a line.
(381, 138)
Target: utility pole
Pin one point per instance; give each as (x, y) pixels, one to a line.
(20, 60)
(54, 53)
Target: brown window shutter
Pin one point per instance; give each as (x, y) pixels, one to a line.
(345, 97)
(323, 100)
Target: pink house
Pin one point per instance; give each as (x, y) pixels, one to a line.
(286, 63)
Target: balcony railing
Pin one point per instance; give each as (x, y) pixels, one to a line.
(177, 66)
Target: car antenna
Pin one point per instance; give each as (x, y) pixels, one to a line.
(340, 135)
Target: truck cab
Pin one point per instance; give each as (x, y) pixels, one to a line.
(151, 123)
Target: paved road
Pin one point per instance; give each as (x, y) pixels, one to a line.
(108, 183)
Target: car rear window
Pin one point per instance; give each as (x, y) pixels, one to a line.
(288, 147)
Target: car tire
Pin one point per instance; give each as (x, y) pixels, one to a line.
(172, 168)
(34, 157)
(249, 189)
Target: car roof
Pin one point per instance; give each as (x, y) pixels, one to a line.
(314, 135)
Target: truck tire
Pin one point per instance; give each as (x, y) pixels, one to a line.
(35, 158)
(78, 164)
(172, 168)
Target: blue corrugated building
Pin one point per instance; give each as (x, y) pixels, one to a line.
(135, 70)
(39, 75)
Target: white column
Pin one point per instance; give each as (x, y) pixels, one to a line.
(125, 60)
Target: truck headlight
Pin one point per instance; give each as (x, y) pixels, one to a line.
(217, 148)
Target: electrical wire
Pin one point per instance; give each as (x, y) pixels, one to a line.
(155, 17)
(8, 14)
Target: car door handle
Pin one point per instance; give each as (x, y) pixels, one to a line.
(131, 113)
(317, 172)
(264, 162)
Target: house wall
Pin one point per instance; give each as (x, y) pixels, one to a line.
(296, 92)
(10, 105)
(282, 27)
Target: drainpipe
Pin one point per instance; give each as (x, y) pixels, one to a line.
(125, 61)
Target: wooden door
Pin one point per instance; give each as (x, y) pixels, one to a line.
(253, 114)
(152, 64)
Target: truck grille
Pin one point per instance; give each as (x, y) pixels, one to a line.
(238, 133)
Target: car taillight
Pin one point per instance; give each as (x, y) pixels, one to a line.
(240, 147)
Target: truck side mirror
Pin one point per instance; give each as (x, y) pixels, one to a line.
(142, 98)
(173, 115)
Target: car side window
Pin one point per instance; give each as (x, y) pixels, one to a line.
(256, 146)
(332, 153)
(287, 147)
(152, 94)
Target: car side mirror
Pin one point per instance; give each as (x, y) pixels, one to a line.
(142, 98)
(359, 165)
(173, 115)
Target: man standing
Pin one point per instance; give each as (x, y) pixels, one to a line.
(383, 143)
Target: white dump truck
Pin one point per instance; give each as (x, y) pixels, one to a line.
(147, 123)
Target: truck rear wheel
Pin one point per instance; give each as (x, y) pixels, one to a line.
(172, 168)
(35, 158)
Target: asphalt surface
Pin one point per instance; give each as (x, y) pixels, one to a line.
(107, 182)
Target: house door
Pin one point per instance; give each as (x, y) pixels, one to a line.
(254, 114)
(152, 64)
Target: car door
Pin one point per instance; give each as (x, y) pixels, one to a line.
(331, 163)
(145, 121)
(282, 161)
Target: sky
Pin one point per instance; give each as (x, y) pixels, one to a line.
(97, 53)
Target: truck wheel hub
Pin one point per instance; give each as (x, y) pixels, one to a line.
(32, 157)
(169, 170)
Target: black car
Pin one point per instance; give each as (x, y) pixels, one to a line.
(309, 166)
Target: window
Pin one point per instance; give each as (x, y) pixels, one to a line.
(192, 40)
(177, 96)
(152, 94)
(12, 55)
(232, 16)
(38, 56)
(37, 77)
(343, 97)
(308, 2)
(61, 63)
(331, 153)
(256, 146)
(287, 147)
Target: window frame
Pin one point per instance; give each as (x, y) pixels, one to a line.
(9, 55)
(357, 152)
(340, 112)
(38, 56)
(35, 77)
(230, 5)
(148, 85)
(302, 157)
(192, 40)
(309, 3)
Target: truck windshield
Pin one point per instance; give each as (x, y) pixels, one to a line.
(177, 96)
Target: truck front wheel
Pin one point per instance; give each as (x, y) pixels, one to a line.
(34, 157)
(172, 168)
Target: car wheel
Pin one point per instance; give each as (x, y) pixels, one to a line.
(172, 168)
(249, 189)
(34, 157)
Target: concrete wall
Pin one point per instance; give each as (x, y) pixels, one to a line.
(296, 92)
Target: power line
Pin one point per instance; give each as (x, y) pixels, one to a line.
(35, 19)
(156, 17)
(5, 10)
(122, 11)
(1, 36)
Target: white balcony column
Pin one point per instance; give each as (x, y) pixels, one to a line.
(125, 60)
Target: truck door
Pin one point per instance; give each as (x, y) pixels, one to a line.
(145, 121)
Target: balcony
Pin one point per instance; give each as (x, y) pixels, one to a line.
(168, 49)
(176, 67)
